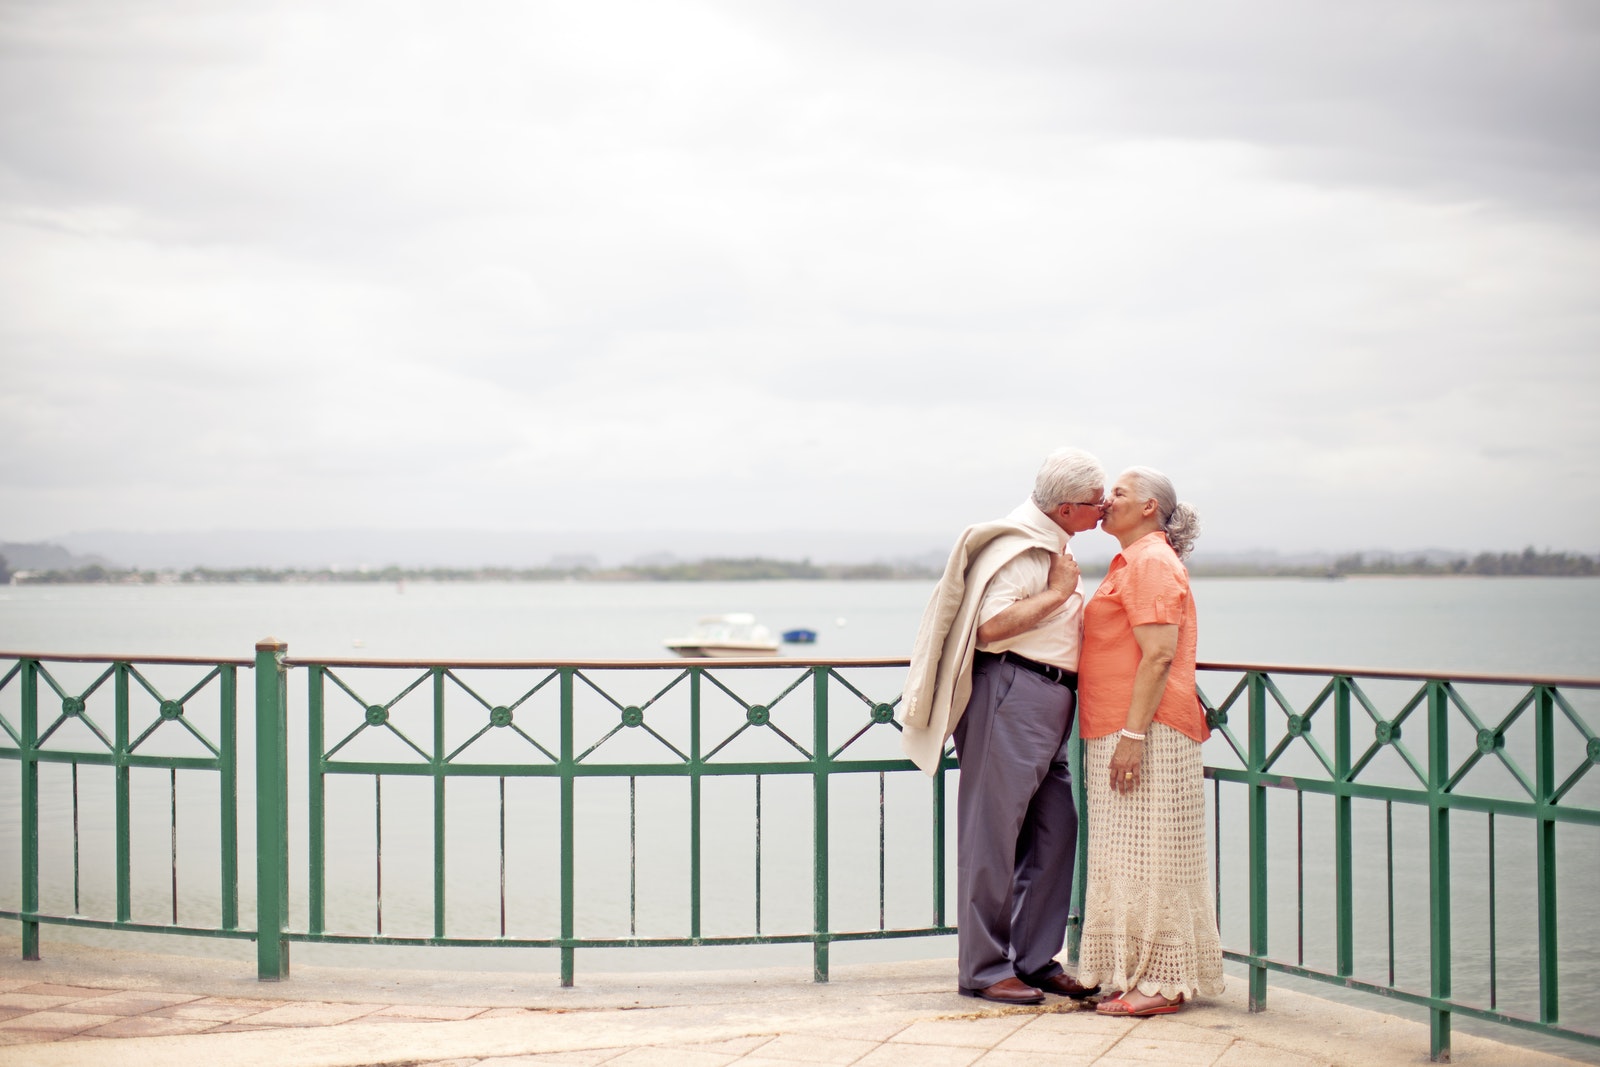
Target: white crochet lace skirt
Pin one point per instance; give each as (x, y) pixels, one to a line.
(1149, 919)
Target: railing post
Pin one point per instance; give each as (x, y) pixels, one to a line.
(439, 768)
(30, 807)
(1258, 841)
(229, 788)
(124, 798)
(316, 806)
(822, 763)
(696, 764)
(1344, 834)
(1439, 864)
(1545, 854)
(1080, 866)
(568, 834)
(272, 811)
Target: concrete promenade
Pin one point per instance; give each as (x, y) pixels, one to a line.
(83, 1006)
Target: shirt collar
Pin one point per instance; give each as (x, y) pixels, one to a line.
(1146, 543)
(1028, 514)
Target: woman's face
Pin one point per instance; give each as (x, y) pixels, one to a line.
(1124, 510)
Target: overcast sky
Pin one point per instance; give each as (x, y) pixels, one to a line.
(778, 266)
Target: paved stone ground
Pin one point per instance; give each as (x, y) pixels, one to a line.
(84, 1006)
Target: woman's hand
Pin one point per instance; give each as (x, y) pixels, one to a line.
(1126, 765)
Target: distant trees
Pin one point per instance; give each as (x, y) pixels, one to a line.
(1527, 563)
(710, 570)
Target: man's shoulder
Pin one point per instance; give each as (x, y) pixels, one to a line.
(1007, 534)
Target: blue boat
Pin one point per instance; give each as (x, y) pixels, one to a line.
(800, 637)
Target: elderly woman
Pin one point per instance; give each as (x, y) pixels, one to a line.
(1150, 930)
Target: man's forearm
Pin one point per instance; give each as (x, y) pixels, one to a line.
(1021, 616)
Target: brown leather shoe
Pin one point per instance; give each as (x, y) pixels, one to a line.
(1063, 985)
(1007, 991)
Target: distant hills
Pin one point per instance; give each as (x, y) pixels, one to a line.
(291, 558)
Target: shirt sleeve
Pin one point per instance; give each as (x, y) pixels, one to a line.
(1153, 592)
(1018, 578)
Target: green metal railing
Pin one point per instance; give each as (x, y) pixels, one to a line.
(1338, 738)
(800, 759)
(532, 733)
(110, 719)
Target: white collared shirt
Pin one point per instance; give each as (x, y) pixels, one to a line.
(1057, 639)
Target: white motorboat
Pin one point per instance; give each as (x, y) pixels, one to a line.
(726, 636)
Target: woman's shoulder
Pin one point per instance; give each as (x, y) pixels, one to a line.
(1151, 559)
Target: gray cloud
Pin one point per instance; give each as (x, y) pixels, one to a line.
(792, 266)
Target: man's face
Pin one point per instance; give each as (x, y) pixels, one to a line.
(1078, 516)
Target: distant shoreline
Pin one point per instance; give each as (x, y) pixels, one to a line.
(1525, 564)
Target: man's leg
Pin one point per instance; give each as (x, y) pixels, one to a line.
(1047, 851)
(1004, 742)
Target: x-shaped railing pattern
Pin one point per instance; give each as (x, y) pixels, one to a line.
(1437, 778)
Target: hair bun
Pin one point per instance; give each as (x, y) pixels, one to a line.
(1183, 527)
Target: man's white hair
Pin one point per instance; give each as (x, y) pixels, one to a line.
(1068, 474)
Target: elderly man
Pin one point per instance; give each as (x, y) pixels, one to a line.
(995, 666)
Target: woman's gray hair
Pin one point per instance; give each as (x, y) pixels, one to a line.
(1179, 520)
(1068, 474)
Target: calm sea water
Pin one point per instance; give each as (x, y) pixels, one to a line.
(1521, 626)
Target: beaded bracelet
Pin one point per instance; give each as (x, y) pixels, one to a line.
(1130, 735)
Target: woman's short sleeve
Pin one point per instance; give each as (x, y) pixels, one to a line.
(1154, 590)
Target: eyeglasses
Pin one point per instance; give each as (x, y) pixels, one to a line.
(1098, 505)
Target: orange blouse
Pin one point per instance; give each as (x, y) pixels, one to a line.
(1145, 584)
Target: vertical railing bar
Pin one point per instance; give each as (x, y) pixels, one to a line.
(822, 767)
(1545, 828)
(30, 807)
(1388, 816)
(440, 812)
(1440, 977)
(1080, 867)
(124, 801)
(317, 800)
(758, 855)
(377, 851)
(694, 802)
(77, 900)
(502, 855)
(939, 833)
(1300, 870)
(173, 772)
(1344, 835)
(883, 874)
(633, 856)
(1258, 841)
(1493, 963)
(1216, 847)
(229, 789)
(568, 833)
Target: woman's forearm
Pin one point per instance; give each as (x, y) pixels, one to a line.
(1158, 644)
(1149, 683)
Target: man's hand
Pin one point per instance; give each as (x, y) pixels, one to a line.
(1063, 576)
(1061, 581)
